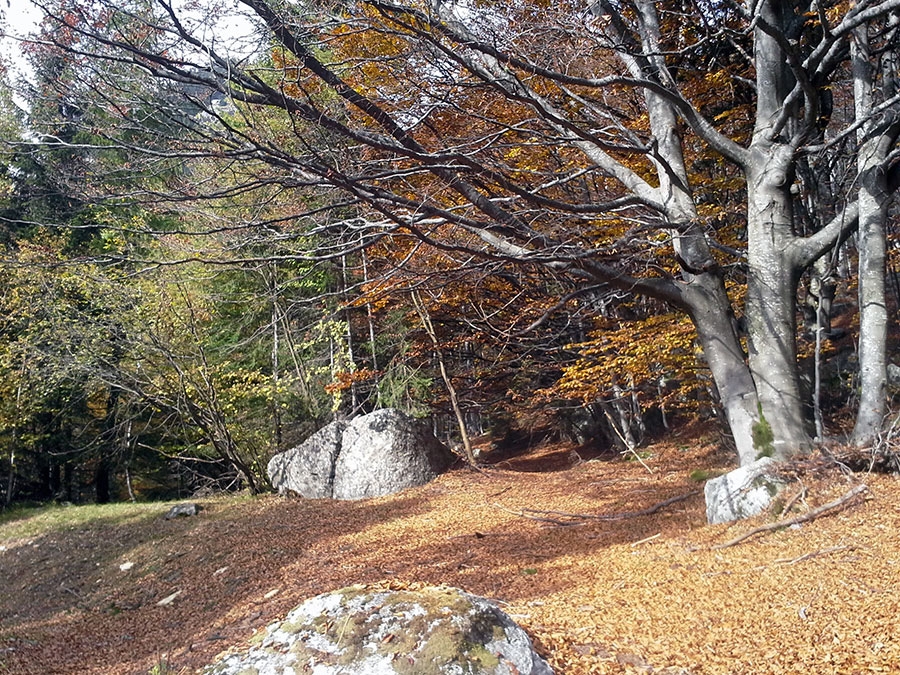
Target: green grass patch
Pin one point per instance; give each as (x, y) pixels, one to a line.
(29, 522)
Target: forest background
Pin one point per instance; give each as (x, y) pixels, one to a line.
(519, 220)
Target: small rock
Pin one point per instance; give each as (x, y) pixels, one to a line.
(179, 510)
(169, 599)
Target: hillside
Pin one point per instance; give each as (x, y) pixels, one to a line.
(634, 593)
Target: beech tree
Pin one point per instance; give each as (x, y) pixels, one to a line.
(568, 135)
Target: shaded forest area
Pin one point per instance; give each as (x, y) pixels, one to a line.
(594, 222)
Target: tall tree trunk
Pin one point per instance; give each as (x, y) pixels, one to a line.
(703, 289)
(772, 300)
(873, 316)
(773, 273)
(275, 356)
(874, 197)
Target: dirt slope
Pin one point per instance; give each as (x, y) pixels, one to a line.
(641, 593)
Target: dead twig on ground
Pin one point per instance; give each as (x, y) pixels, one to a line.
(646, 540)
(815, 513)
(566, 519)
(811, 554)
(793, 500)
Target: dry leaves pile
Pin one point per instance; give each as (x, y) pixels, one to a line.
(645, 592)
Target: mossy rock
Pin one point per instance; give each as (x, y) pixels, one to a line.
(363, 630)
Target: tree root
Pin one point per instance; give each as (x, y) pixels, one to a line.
(839, 503)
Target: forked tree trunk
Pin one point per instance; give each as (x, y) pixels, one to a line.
(702, 290)
(772, 303)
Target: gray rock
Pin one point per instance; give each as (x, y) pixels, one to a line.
(359, 631)
(384, 452)
(185, 510)
(741, 493)
(308, 469)
(893, 375)
(375, 454)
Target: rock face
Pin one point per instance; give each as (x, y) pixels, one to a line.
(308, 469)
(359, 631)
(741, 493)
(372, 455)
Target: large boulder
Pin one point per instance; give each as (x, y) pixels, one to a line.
(742, 493)
(384, 452)
(308, 469)
(364, 631)
(372, 455)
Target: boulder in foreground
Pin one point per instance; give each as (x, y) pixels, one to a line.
(364, 631)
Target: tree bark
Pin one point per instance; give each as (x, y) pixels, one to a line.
(874, 198)
(873, 315)
(772, 300)
(712, 316)
(703, 290)
(773, 270)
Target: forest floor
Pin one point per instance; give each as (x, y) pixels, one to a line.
(121, 590)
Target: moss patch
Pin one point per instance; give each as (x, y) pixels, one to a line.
(763, 437)
(421, 631)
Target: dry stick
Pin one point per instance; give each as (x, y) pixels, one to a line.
(553, 521)
(811, 554)
(646, 539)
(793, 500)
(815, 513)
(574, 518)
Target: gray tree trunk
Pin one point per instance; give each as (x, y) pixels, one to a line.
(873, 197)
(773, 270)
(703, 289)
(772, 300)
(873, 319)
(711, 313)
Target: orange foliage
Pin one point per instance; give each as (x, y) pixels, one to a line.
(657, 353)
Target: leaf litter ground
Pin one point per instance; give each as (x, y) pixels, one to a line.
(638, 592)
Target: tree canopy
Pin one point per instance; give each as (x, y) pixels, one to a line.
(615, 198)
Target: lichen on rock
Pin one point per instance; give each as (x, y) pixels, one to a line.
(364, 631)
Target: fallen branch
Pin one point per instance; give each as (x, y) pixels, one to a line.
(526, 513)
(565, 519)
(815, 513)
